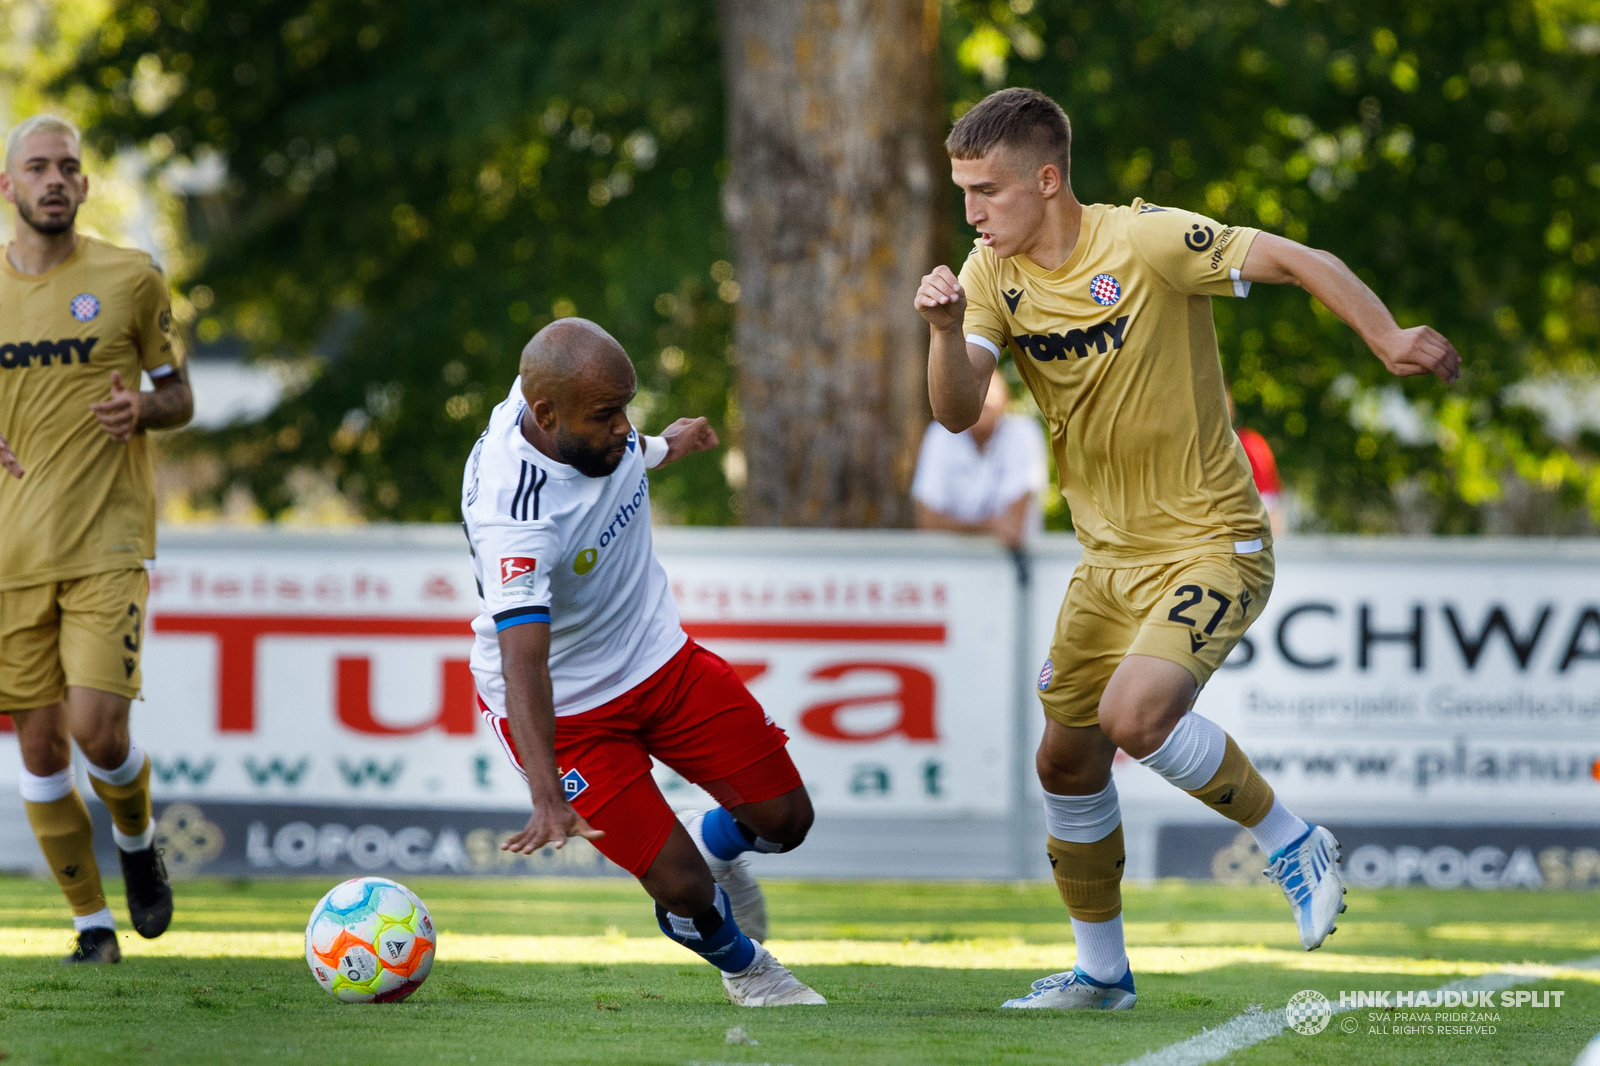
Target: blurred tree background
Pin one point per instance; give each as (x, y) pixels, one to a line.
(411, 189)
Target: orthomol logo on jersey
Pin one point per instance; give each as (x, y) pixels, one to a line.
(21, 356)
(1103, 337)
(589, 558)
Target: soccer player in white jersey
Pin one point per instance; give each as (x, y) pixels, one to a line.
(584, 671)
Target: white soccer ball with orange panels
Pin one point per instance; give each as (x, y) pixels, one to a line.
(370, 940)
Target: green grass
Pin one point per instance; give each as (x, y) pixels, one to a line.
(268, 1010)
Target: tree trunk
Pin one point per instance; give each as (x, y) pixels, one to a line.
(834, 199)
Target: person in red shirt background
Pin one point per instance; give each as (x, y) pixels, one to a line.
(1264, 468)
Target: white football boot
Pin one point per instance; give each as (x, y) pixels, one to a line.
(1076, 990)
(766, 982)
(744, 891)
(1308, 873)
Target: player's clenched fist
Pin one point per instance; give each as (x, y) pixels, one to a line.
(941, 300)
(686, 436)
(1420, 350)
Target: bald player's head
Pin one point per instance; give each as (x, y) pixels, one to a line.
(578, 381)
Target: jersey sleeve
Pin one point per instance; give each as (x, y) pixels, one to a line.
(515, 559)
(160, 351)
(983, 324)
(1196, 255)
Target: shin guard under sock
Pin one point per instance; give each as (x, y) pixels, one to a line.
(61, 824)
(1237, 790)
(713, 934)
(1089, 876)
(125, 790)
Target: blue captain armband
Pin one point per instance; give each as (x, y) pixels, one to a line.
(521, 616)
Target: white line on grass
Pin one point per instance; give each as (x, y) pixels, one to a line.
(1247, 1030)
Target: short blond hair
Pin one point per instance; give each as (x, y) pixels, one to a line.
(39, 124)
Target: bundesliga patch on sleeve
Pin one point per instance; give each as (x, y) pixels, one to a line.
(517, 574)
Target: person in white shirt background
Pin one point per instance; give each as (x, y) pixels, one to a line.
(986, 479)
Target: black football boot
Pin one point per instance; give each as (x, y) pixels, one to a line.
(149, 891)
(95, 945)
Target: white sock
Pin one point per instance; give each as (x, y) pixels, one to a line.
(1102, 954)
(100, 919)
(46, 788)
(138, 843)
(1190, 755)
(1280, 828)
(121, 775)
(1082, 819)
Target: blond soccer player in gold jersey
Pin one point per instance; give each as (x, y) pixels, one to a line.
(79, 320)
(1107, 312)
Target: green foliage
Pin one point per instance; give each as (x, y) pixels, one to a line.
(412, 191)
(1448, 152)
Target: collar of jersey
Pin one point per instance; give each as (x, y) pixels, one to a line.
(1091, 215)
(13, 272)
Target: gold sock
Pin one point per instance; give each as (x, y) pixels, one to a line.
(66, 837)
(1089, 876)
(129, 804)
(1236, 790)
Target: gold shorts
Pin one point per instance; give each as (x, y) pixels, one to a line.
(86, 632)
(1191, 612)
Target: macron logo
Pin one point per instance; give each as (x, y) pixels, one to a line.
(514, 566)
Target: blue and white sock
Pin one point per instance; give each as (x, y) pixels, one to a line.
(723, 835)
(727, 839)
(714, 935)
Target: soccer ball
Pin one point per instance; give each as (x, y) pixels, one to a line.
(370, 940)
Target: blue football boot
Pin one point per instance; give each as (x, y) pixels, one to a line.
(1076, 990)
(1308, 873)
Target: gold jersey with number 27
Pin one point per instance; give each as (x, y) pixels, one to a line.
(1118, 347)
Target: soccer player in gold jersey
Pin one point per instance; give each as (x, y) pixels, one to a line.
(79, 320)
(1107, 311)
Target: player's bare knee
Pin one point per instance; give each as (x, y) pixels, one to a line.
(106, 748)
(794, 821)
(1136, 734)
(42, 740)
(1075, 779)
(784, 820)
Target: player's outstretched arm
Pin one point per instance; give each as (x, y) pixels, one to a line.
(8, 459)
(958, 372)
(1406, 352)
(169, 405)
(530, 710)
(687, 436)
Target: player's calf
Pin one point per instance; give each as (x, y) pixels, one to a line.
(1200, 758)
(751, 976)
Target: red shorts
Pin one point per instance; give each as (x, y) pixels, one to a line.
(695, 715)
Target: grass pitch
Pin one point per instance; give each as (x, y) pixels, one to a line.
(568, 971)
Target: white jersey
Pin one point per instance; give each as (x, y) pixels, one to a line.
(551, 545)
